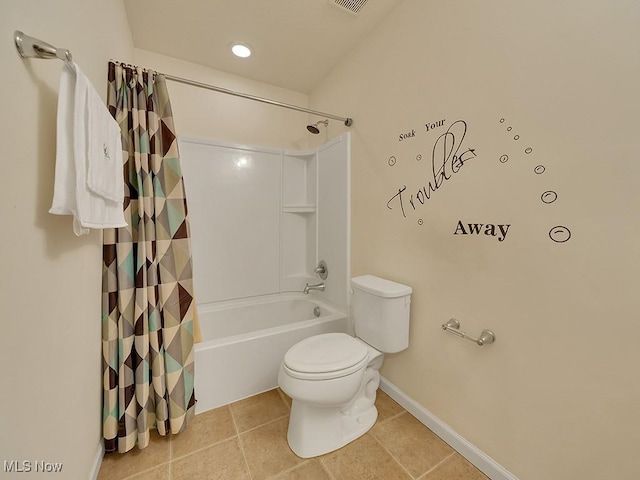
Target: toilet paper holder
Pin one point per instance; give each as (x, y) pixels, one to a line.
(453, 326)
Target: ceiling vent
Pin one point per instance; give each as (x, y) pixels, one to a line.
(353, 6)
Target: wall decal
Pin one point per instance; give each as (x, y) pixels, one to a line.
(404, 136)
(431, 126)
(559, 233)
(476, 229)
(549, 196)
(448, 156)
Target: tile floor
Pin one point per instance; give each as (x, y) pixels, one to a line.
(246, 440)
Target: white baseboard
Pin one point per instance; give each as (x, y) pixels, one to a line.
(483, 462)
(97, 463)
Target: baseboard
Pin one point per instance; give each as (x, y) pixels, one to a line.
(97, 463)
(483, 462)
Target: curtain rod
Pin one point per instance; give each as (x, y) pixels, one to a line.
(31, 47)
(347, 121)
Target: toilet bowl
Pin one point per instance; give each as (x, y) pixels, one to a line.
(332, 378)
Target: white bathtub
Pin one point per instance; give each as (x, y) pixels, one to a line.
(244, 342)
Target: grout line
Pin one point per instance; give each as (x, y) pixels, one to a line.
(424, 475)
(141, 472)
(275, 476)
(236, 435)
(264, 424)
(239, 440)
(392, 456)
(391, 418)
(326, 469)
(428, 472)
(198, 450)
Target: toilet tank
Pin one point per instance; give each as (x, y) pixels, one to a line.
(380, 310)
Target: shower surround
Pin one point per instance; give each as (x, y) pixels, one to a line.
(261, 220)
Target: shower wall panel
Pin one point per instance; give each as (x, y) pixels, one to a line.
(234, 202)
(262, 219)
(334, 216)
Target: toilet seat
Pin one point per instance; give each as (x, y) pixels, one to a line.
(325, 356)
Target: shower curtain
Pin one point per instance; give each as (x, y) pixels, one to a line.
(148, 308)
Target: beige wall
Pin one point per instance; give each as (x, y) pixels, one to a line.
(50, 349)
(557, 396)
(207, 114)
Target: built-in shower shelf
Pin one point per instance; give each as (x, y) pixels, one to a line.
(299, 208)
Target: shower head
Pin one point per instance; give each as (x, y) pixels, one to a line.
(314, 127)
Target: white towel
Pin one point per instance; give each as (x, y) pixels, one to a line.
(89, 180)
(64, 189)
(104, 151)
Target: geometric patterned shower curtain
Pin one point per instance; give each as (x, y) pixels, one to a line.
(148, 308)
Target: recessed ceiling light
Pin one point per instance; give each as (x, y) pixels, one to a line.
(241, 50)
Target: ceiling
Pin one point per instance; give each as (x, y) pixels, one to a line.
(295, 43)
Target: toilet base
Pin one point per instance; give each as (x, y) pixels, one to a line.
(314, 431)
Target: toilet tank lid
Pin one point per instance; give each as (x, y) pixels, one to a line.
(380, 286)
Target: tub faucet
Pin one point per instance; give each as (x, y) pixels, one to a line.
(319, 286)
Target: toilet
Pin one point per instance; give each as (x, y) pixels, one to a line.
(332, 378)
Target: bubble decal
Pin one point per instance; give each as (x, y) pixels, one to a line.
(560, 234)
(549, 196)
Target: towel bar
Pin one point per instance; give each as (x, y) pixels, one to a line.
(486, 336)
(31, 47)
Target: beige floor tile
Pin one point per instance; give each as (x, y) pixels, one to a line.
(258, 410)
(412, 444)
(387, 406)
(310, 470)
(203, 431)
(363, 459)
(399, 447)
(455, 467)
(267, 451)
(222, 461)
(160, 473)
(116, 466)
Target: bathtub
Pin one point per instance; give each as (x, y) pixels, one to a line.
(244, 341)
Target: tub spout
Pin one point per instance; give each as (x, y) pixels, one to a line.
(319, 286)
